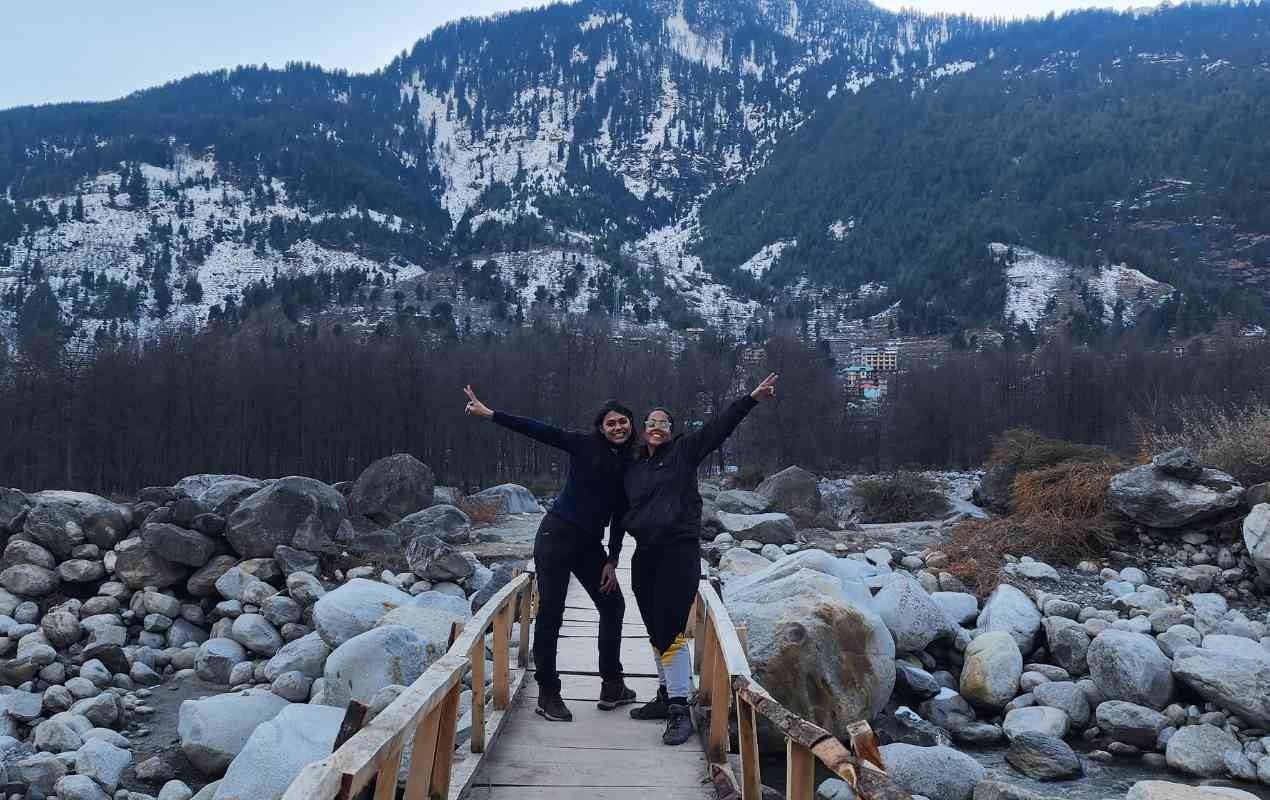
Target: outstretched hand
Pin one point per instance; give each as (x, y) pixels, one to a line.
(475, 406)
(766, 389)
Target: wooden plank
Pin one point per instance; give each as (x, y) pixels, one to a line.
(386, 781)
(526, 615)
(580, 655)
(462, 773)
(724, 631)
(747, 735)
(587, 793)
(800, 771)
(587, 688)
(422, 754)
(591, 729)
(502, 666)
(440, 784)
(535, 765)
(478, 696)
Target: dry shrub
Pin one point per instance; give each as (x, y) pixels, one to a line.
(901, 497)
(479, 511)
(1072, 489)
(977, 547)
(1232, 440)
(1027, 450)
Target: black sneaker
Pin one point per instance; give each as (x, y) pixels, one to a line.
(613, 694)
(654, 709)
(678, 724)
(551, 706)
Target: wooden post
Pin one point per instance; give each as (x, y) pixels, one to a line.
(720, 689)
(386, 780)
(444, 753)
(423, 753)
(478, 695)
(502, 667)
(708, 656)
(747, 734)
(698, 618)
(800, 771)
(526, 621)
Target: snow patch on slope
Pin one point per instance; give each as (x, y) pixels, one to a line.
(759, 263)
(1032, 280)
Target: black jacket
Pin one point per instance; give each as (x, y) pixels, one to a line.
(662, 489)
(592, 498)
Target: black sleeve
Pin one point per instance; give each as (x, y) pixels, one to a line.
(617, 532)
(540, 431)
(705, 441)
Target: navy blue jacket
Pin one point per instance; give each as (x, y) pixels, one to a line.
(665, 504)
(593, 497)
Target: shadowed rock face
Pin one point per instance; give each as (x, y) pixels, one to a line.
(1154, 497)
(298, 512)
(392, 488)
(816, 651)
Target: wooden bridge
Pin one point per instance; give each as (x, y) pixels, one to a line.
(514, 753)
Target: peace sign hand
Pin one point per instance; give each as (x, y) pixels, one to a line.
(475, 406)
(766, 389)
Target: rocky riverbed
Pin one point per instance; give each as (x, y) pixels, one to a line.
(202, 639)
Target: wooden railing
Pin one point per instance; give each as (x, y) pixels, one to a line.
(725, 683)
(426, 713)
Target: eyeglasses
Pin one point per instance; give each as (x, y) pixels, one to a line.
(658, 424)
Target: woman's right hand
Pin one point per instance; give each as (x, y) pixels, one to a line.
(475, 406)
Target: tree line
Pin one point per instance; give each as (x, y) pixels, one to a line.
(269, 401)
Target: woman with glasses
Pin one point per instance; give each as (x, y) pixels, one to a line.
(665, 519)
(569, 541)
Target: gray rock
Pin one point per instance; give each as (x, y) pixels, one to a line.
(1177, 638)
(996, 790)
(850, 574)
(1067, 697)
(213, 730)
(56, 736)
(306, 655)
(915, 683)
(940, 773)
(1036, 719)
(1068, 644)
(1198, 749)
(1045, 758)
(993, 666)
(354, 608)
(291, 560)
(42, 770)
(138, 567)
(738, 501)
(236, 584)
(304, 588)
(21, 551)
(792, 490)
(834, 789)
(1238, 684)
(29, 580)
(392, 488)
(293, 686)
(103, 762)
(445, 522)
(179, 545)
(503, 573)
(1033, 570)
(278, 750)
(1164, 790)
(14, 506)
(255, 633)
(219, 494)
(738, 562)
(61, 521)
(80, 787)
(1130, 723)
(360, 667)
(1008, 609)
(1256, 532)
(508, 498)
(280, 609)
(1152, 497)
(175, 790)
(961, 608)
(434, 560)
(774, 528)
(1130, 666)
(804, 623)
(79, 570)
(217, 658)
(203, 582)
(298, 512)
(913, 618)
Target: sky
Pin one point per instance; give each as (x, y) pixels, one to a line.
(93, 50)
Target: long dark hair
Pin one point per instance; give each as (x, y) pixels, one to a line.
(614, 406)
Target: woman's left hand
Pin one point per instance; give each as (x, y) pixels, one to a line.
(765, 389)
(608, 578)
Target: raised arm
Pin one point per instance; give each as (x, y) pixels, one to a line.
(705, 441)
(538, 431)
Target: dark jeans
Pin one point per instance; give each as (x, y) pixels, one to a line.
(560, 549)
(664, 578)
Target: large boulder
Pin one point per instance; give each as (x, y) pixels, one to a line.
(14, 505)
(392, 488)
(993, 491)
(445, 522)
(762, 528)
(278, 750)
(306, 655)
(61, 521)
(214, 729)
(434, 560)
(508, 498)
(1257, 540)
(914, 619)
(1130, 666)
(219, 494)
(1152, 496)
(29, 580)
(217, 658)
(137, 566)
(990, 675)
(792, 490)
(298, 512)
(392, 655)
(1045, 758)
(1239, 684)
(1165, 790)
(1130, 723)
(939, 773)
(1197, 750)
(819, 652)
(739, 501)
(738, 562)
(1068, 643)
(850, 574)
(1036, 719)
(1008, 609)
(178, 545)
(354, 608)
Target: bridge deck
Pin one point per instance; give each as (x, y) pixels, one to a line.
(601, 753)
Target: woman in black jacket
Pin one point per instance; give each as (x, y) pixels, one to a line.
(665, 519)
(569, 541)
